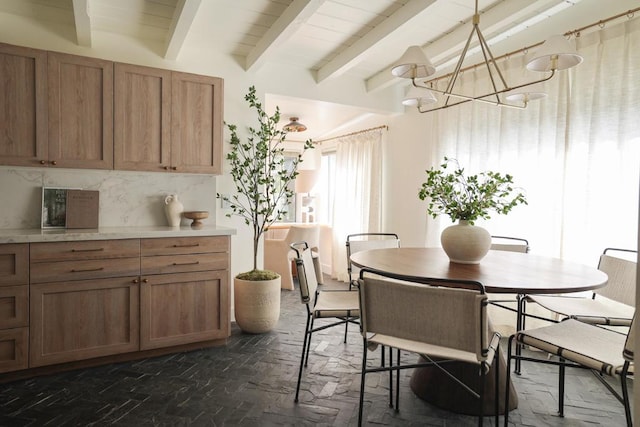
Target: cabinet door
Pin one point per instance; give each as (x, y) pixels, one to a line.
(80, 111)
(196, 118)
(142, 118)
(23, 112)
(83, 319)
(183, 308)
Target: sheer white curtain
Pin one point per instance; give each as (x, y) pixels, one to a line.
(356, 204)
(576, 152)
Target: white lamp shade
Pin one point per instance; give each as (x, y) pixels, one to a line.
(526, 94)
(558, 48)
(417, 96)
(306, 180)
(413, 64)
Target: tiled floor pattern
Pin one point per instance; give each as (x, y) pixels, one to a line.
(251, 382)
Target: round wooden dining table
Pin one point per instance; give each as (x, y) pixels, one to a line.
(499, 272)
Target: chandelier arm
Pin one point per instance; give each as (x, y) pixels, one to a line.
(423, 85)
(456, 71)
(464, 101)
(483, 41)
(489, 61)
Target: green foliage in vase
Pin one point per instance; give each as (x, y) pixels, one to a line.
(258, 170)
(468, 197)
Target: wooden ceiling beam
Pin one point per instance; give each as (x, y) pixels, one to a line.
(294, 16)
(180, 24)
(83, 22)
(359, 50)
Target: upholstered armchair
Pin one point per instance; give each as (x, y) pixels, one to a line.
(278, 255)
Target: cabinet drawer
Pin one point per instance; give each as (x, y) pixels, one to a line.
(14, 345)
(184, 263)
(14, 306)
(14, 264)
(84, 250)
(81, 270)
(184, 245)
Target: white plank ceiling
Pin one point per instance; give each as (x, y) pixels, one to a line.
(331, 38)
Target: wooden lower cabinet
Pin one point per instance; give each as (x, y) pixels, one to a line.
(183, 308)
(63, 303)
(79, 320)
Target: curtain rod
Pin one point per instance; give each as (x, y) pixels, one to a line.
(629, 14)
(354, 133)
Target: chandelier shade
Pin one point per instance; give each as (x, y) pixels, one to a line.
(418, 96)
(413, 64)
(526, 94)
(556, 53)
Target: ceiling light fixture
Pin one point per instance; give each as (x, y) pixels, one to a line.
(555, 54)
(294, 126)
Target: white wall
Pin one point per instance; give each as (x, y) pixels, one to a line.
(139, 193)
(406, 156)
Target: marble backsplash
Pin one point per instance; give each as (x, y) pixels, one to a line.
(126, 198)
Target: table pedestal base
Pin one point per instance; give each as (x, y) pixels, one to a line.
(437, 388)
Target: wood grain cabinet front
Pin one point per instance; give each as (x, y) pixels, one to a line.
(167, 120)
(196, 123)
(14, 307)
(23, 118)
(84, 300)
(80, 108)
(184, 291)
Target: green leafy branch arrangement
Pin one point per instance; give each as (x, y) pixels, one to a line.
(259, 173)
(468, 197)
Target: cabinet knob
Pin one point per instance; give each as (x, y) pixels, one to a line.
(174, 168)
(166, 168)
(53, 162)
(42, 162)
(145, 280)
(136, 281)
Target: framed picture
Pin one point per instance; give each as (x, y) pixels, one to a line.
(54, 207)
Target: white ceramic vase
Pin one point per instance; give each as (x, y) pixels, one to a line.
(465, 243)
(173, 208)
(256, 304)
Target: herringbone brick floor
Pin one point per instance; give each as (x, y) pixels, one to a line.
(251, 382)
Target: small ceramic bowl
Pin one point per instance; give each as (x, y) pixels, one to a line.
(196, 216)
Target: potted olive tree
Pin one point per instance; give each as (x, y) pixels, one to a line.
(466, 199)
(263, 191)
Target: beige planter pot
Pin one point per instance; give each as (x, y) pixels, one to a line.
(464, 243)
(256, 304)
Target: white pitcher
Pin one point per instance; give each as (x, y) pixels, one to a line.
(173, 208)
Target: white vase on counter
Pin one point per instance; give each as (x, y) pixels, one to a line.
(173, 208)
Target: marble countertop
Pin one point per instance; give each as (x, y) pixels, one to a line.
(106, 233)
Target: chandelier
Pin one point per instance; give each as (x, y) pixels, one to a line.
(555, 54)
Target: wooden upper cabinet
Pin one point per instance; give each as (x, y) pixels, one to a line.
(142, 118)
(72, 111)
(23, 113)
(196, 137)
(80, 111)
